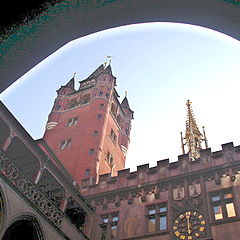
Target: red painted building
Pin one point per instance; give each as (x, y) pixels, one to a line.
(196, 197)
(88, 129)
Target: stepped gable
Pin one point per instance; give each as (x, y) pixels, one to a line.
(166, 171)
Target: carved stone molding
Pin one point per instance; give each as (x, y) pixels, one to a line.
(31, 192)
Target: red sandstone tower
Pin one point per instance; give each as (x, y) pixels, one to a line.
(88, 129)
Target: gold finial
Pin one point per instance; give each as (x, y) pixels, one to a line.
(125, 93)
(193, 137)
(108, 61)
(188, 103)
(74, 75)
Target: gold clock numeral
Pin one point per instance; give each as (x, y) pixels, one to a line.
(181, 216)
(190, 237)
(177, 233)
(174, 227)
(201, 229)
(197, 234)
(182, 237)
(203, 222)
(176, 221)
(200, 216)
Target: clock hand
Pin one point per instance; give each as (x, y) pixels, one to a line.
(188, 225)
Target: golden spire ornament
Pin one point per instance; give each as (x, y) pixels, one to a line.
(107, 61)
(193, 137)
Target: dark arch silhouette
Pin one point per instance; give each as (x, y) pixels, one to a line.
(26, 228)
(69, 20)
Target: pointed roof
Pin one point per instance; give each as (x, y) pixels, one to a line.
(125, 105)
(193, 137)
(191, 125)
(70, 83)
(101, 69)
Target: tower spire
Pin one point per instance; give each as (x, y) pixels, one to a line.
(193, 137)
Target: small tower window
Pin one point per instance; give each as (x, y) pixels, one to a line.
(65, 144)
(109, 157)
(113, 136)
(91, 151)
(114, 110)
(99, 116)
(100, 93)
(58, 107)
(87, 172)
(101, 105)
(72, 121)
(95, 133)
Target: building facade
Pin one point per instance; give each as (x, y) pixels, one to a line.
(71, 184)
(88, 129)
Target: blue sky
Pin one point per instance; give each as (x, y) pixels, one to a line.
(160, 65)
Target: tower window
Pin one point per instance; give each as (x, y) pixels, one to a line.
(95, 133)
(99, 116)
(109, 157)
(113, 136)
(72, 121)
(65, 144)
(58, 107)
(91, 151)
(101, 105)
(222, 204)
(87, 172)
(114, 110)
(100, 93)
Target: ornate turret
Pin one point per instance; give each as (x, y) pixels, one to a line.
(193, 137)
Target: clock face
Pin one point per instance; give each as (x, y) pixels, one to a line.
(189, 225)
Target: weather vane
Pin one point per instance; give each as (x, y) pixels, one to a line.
(108, 61)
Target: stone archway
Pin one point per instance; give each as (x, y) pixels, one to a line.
(26, 228)
(73, 19)
(2, 210)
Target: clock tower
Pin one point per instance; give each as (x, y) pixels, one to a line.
(89, 129)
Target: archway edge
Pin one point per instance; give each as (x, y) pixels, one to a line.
(28, 217)
(70, 20)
